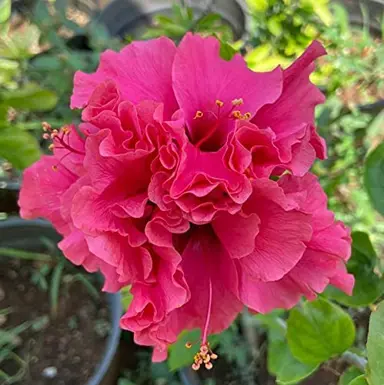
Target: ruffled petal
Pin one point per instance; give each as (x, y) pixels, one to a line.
(201, 76)
(41, 191)
(142, 70)
(280, 242)
(291, 117)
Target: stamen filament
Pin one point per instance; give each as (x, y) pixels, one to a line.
(209, 311)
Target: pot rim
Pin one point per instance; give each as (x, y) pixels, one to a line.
(148, 10)
(113, 299)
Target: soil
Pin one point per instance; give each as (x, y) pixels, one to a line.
(66, 348)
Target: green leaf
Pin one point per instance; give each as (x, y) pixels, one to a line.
(318, 331)
(180, 356)
(30, 97)
(375, 346)
(55, 288)
(47, 62)
(8, 69)
(275, 26)
(19, 44)
(5, 10)
(368, 286)
(361, 380)
(287, 369)
(258, 5)
(374, 177)
(4, 117)
(18, 147)
(124, 381)
(227, 52)
(126, 297)
(349, 375)
(208, 22)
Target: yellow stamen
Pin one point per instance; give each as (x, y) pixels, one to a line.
(209, 366)
(219, 103)
(188, 345)
(46, 126)
(236, 114)
(237, 102)
(247, 115)
(66, 130)
(51, 147)
(199, 114)
(204, 349)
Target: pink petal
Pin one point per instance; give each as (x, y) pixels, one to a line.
(254, 148)
(130, 263)
(342, 280)
(75, 248)
(163, 225)
(42, 189)
(237, 233)
(153, 301)
(280, 243)
(105, 96)
(203, 261)
(142, 71)
(200, 77)
(204, 178)
(92, 214)
(294, 111)
(263, 297)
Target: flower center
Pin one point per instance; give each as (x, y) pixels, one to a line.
(215, 121)
(205, 355)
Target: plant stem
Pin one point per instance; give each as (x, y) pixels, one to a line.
(355, 360)
(250, 333)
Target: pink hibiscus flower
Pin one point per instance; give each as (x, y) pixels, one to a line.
(165, 186)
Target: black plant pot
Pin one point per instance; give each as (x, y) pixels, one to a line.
(375, 9)
(132, 17)
(21, 234)
(375, 12)
(9, 194)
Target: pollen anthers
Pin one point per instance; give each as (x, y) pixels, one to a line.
(236, 114)
(198, 115)
(59, 141)
(204, 356)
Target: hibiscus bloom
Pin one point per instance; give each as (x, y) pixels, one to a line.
(166, 186)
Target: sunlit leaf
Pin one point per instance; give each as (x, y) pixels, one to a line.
(361, 380)
(30, 97)
(18, 147)
(349, 375)
(374, 177)
(375, 346)
(281, 362)
(318, 331)
(5, 10)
